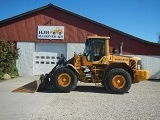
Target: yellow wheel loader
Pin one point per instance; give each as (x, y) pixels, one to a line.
(116, 72)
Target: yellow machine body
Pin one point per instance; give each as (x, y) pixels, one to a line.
(107, 62)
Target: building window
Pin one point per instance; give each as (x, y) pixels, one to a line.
(53, 57)
(42, 57)
(37, 57)
(42, 62)
(47, 62)
(37, 62)
(47, 57)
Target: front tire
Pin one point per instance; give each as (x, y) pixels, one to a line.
(118, 81)
(64, 80)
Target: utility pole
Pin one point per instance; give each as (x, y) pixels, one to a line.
(158, 37)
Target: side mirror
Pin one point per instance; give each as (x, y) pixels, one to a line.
(114, 50)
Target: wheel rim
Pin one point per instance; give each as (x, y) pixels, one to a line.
(118, 81)
(64, 80)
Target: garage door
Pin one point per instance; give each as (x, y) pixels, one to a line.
(46, 57)
(44, 62)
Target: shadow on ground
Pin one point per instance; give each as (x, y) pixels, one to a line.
(154, 80)
(91, 89)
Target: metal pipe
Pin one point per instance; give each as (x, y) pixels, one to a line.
(120, 48)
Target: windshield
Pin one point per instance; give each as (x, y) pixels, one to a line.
(88, 49)
(94, 49)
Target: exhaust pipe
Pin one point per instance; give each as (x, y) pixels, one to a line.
(120, 48)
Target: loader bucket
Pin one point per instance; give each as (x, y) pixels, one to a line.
(29, 88)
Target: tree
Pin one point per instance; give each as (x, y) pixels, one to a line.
(8, 55)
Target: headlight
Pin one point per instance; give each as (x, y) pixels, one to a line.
(139, 65)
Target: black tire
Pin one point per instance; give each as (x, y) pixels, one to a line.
(106, 86)
(118, 81)
(64, 80)
(41, 86)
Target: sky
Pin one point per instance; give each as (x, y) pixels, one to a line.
(140, 18)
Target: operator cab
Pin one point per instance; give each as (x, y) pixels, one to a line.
(95, 48)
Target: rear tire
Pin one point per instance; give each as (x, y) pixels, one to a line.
(118, 81)
(64, 80)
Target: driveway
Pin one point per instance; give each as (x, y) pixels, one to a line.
(87, 102)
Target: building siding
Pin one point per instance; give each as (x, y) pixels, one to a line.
(25, 62)
(24, 29)
(152, 64)
(72, 48)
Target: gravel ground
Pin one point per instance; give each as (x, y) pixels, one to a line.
(87, 102)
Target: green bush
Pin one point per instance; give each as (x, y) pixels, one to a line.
(8, 55)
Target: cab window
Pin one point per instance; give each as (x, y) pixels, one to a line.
(98, 49)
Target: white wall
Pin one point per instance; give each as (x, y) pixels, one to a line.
(151, 63)
(25, 61)
(74, 47)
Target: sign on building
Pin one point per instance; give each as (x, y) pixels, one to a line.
(50, 32)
